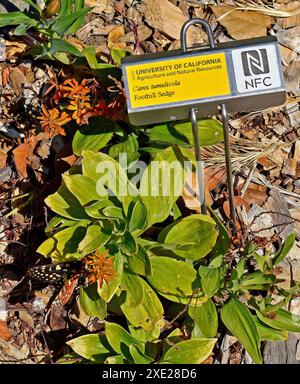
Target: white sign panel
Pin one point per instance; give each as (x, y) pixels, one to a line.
(256, 68)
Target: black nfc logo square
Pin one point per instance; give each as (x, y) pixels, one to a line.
(255, 62)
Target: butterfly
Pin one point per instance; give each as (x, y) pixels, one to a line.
(65, 277)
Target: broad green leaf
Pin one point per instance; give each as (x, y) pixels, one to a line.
(172, 277)
(132, 284)
(138, 356)
(205, 318)
(117, 55)
(193, 351)
(64, 24)
(82, 187)
(16, 18)
(63, 246)
(257, 280)
(212, 279)
(128, 245)
(149, 312)
(91, 347)
(222, 245)
(267, 333)
(109, 176)
(145, 336)
(95, 209)
(139, 262)
(91, 303)
(240, 322)
(129, 146)
(196, 235)
(59, 222)
(281, 319)
(210, 133)
(120, 340)
(90, 55)
(94, 238)
(118, 359)
(285, 249)
(21, 29)
(108, 291)
(65, 204)
(138, 218)
(94, 136)
(161, 185)
(59, 45)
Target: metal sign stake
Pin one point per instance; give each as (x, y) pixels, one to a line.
(199, 162)
(197, 149)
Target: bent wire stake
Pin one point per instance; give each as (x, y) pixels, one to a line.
(194, 111)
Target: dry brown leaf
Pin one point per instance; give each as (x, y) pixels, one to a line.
(5, 333)
(287, 22)
(168, 19)
(3, 158)
(290, 38)
(15, 48)
(116, 38)
(242, 24)
(102, 6)
(23, 153)
(17, 79)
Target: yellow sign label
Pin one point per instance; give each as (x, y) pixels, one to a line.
(177, 80)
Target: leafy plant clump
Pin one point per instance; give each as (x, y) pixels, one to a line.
(177, 289)
(165, 282)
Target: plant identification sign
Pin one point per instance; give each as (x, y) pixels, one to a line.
(163, 87)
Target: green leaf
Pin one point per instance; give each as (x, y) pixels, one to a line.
(94, 238)
(267, 333)
(172, 278)
(63, 246)
(212, 279)
(257, 280)
(91, 303)
(21, 29)
(138, 356)
(16, 18)
(117, 55)
(90, 55)
(82, 187)
(65, 204)
(108, 174)
(139, 262)
(91, 347)
(118, 359)
(63, 25)
(281, 319)
(94, 136)
(285, 249)
(145, 311)
(205, 318)
(138, 218)
(107, 291)
(193, 351)
(196, 235)
(59, 45)
(240, 322)
(210, 133)
(121, 340)
(95, 209)
(161, 185)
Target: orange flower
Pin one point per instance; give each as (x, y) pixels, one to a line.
(80, 108)
(99, 268)
(52, 121)
(75, 89)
